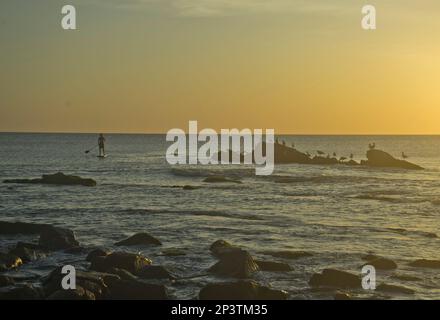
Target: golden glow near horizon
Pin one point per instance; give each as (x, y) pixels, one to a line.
(147, 66)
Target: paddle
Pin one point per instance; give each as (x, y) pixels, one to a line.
(87, 151)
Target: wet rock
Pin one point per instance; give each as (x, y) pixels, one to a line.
(6, 281)
(425, 263)
(155, 272)
(75, 250)
(273, 266)
(122, 260)
(28, 251)
(220, 179)
(56, 238)
(389, 288)
(380, 263)
(21, 227)
(379, 158)
(405, 277)
(97, 253)
(288, 254)
(9, 261)
(235, 262)
(77, 294)
(94, 282)
(342, 296)
(188, 187)
(58, 178)
(240, 290)
(173, 252)
(136, 290)
(139, 239)
(352, 163)
(123, 274)
(335, 278)
(23, 292)
(220, 246)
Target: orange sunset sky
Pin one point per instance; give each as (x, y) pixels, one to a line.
(297, 66)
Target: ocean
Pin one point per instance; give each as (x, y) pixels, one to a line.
(337, 213)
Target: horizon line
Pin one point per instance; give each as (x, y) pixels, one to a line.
(276, 134)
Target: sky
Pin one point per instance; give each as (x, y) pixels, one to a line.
(147, 66)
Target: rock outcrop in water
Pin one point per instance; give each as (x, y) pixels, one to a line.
(58, 178)
(240, 290)
(139, 239)
(379, 158)
(335, 278)
(375, 158)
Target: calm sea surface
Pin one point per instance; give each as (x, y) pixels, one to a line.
(337, 213)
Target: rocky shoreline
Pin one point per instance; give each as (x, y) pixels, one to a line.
(130, 275)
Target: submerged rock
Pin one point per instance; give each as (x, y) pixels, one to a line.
(288, 254)
(136, 290)
(139, 239)
(58, 178)
(335, 278)
(394, 289)
(220, 179)
(122, 260)
(56, 238)
(240, 290)
(379, 158)
(380, 263)
(273, 266)
(9, 261)
(425, 263)
(235, 262)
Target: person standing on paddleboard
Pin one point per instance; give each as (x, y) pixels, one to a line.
(101, 141)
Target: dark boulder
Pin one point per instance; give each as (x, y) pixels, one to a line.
(379, 158)
(335, 278)
(155, 272)
(97, 253)
(220, 246)
(122, 260)
(21, 227)
(28, 251)
(23, 292)
(56, 238)
(136, 290)
(273, 266)
(380, 263)
(6, 281)
(235, 263)
(58, 178)
(94, 282)
(240, 290)
(139, 239)
(425, 263)
(9, 261)
(76, 294)
(389, 288)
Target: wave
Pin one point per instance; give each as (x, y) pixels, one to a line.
(232, 172)
(213, 213)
